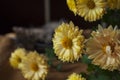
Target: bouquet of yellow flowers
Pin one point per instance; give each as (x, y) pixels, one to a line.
(100, 52)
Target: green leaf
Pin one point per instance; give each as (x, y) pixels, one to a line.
(85, 59)
(59, 66)
(112, 17)
(103, 77)
(98, 77)
(50, 53)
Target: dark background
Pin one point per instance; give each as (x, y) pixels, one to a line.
(31, 12)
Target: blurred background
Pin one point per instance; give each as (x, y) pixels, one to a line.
(30, 24)
(36, 13)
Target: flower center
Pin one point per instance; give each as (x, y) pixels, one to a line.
(109, 48)
(34, 67)
(91, 4)
(19, 59)
(67, 43)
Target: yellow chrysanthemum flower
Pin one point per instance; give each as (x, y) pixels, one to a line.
(16, 57)
(91, 10)
(75, 76)
(104, 48)
(34, 66)
(72, 6)
(114, 4)
(68, 42)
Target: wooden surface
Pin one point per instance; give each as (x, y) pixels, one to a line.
(8, 73)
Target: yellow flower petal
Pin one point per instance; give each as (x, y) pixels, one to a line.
(91, 10)
(72, 6)
(34, 66)
(104, 48)
(113, 4)
(17, 56)
(68, 42)
(75, 76)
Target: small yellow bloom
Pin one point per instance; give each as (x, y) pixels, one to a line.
(68, 42)
(91, 10)
(113, 4)
(34, 66)
(72, 6)
(104, 48)
(75, 76)
(16, 57)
